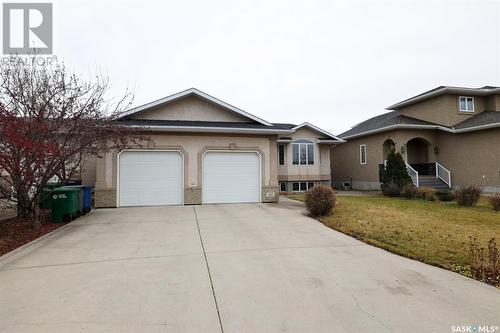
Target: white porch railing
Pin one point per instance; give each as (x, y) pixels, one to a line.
(413, 174)
(443, 174)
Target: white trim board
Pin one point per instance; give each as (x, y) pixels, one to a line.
(317, 129)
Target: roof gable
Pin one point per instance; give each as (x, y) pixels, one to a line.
(192, 105)
(316, 129)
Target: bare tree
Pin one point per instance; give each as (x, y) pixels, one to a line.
(50, 122)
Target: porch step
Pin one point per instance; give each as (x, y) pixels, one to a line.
(432, 182)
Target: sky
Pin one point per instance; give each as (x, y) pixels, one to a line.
(330, 63)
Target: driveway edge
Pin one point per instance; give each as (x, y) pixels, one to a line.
(33, 242)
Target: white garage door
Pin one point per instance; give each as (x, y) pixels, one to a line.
(230, 177)
(150, 178)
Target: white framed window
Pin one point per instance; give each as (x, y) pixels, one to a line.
(466, 104)
(302, 152)
(362, 154)
(281, 154)
(282, 186)
(302, 186)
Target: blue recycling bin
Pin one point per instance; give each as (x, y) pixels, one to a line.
(86, 198)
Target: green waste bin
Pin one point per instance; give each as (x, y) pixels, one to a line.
(65, 204)
(85, 198)
(80, 207)
(46, 194)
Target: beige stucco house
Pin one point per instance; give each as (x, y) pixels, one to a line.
(203, 150)
(449, 137)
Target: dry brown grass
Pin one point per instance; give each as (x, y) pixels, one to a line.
(433, 232)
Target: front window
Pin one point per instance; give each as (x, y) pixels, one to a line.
(281, 154)
(302, 152)
(282, 186)
(466, 104)
(362, 154)
(302, 186)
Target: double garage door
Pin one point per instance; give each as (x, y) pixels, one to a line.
(149, 178)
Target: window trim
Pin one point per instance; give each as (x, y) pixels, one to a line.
(307, 144)
(303, 182)
(466, 110)
(279, 157)
(281, 186)
(361, 154)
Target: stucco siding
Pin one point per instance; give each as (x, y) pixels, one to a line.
(88, 173)
(493, 103)
(345, 158)
(443, 110)
(192, 146)
(473, 158)
(191, 108)
(320, 170)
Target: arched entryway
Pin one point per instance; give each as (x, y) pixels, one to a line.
(419, 156)
(388, 146)
(417, 151)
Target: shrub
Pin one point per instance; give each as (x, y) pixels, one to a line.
(426, 193)
(320, 200)
(395, 176)
(468, 195)
(495, 202)
(445, 195)
(409, 191)
(391, 189)
(485, 264)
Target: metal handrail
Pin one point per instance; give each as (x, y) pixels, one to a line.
(447, 174)
(413, 174)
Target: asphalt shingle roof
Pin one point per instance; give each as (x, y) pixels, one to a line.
(189, 123)
(384, 120)
(483, 118)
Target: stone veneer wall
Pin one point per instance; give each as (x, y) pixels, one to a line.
(105, 198)
(192, 196)
(270, 194)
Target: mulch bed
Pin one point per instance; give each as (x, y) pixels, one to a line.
(16, 232)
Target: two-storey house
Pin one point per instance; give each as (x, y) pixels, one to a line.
(448, 136)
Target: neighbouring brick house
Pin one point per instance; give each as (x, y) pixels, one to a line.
(448, 136)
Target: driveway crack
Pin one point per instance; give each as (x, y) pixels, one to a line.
(371, 315)
(208, 270)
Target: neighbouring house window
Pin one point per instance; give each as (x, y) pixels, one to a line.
(302, 152)
(362, 154)
(466, 104)
(282, 186)
(281, 154)
(302, 186)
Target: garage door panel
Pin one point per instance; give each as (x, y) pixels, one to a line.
(231, 177)
(149, 178)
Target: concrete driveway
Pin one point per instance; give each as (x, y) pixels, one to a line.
(236, 268)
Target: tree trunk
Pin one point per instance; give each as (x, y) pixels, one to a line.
(22, 211)
(36, 219)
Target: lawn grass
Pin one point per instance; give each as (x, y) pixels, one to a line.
(433, 232)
